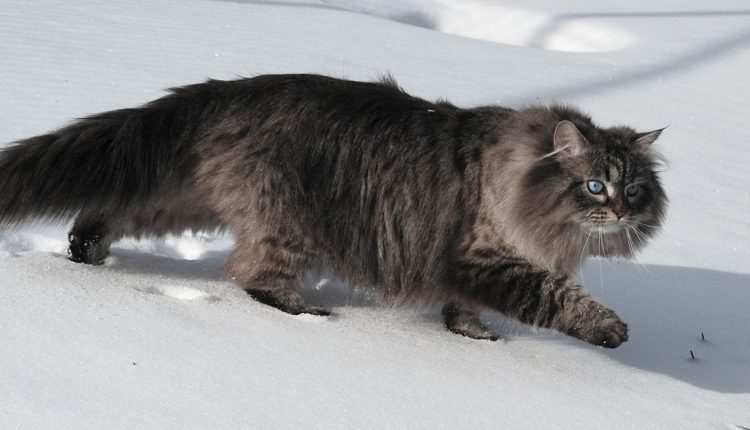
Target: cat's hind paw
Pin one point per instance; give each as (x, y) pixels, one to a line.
(466, 322)
(287, 300)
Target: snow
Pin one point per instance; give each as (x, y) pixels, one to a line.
(157, 339)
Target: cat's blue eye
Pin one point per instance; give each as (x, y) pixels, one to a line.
(632, 190)
(594, 186)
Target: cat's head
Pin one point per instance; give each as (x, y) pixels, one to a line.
(605, 181)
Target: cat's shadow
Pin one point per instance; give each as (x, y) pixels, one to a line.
(670, 311)
(319, 286)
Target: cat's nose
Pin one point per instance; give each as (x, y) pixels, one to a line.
(618, 208)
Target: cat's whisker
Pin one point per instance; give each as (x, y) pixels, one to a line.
(607, 242)
(645, 267)
(556, 151)
(637, 223)
(633, 248)
(639, 234)
(642, 239)
(603, 253)
(583, 250)
(602, 236)
(586, 232)
(629, 240)
(633, 252)
(630, 247)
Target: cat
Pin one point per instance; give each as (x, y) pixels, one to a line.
(423, 202)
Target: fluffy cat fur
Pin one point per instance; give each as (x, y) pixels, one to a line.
(482, 208)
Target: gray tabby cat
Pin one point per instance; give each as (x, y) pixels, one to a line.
(483, 208)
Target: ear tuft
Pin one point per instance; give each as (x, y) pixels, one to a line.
(648, 137)
(568, 139)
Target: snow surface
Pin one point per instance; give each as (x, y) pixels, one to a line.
(157, 339)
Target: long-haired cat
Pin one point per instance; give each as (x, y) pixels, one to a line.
(425, 202)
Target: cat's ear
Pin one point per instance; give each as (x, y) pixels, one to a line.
(568, 139)
(648, 137)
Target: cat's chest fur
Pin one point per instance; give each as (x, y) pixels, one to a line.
(503, 223)
(557, 249)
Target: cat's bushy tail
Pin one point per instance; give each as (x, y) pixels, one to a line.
(105, 162)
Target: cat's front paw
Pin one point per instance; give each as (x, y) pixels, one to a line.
(602, 327)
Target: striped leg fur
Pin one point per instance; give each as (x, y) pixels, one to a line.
(541, 298)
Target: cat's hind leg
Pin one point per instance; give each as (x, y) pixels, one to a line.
(464, 320)
(269, 269)
(89, 239)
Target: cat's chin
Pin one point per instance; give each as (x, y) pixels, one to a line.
(610, 228)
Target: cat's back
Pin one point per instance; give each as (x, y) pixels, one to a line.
(291, 114)
(305, 93)
(315, 125)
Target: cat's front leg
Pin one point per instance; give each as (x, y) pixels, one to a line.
(538, 297)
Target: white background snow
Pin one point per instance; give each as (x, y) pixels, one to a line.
(157, 339)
